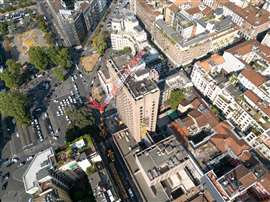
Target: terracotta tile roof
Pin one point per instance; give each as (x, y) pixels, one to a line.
(213, 60)
(244, 175)
(258, 101)
(225, 139)
(191, 2)
(254, 16)
(194, 10)
(252, 96)
(188, 122)
(217, 59)
(265, 182)
(207, 11)
(205, 65)
(173, 8)
(242, 49)
(197, 102)
(254, 77)
(202, 119)
(247, 46)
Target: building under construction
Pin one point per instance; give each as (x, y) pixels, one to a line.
(136, 94)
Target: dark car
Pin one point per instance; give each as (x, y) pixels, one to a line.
(5, 176)
(4, 186)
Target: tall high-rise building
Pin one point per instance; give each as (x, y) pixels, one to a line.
(138, 100)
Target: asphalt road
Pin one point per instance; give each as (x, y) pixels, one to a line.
(15, 189)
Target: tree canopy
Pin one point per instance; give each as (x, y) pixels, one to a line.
(14, 104)
(99, 42)
(39, 58)
(58, 73)
(176, 97)
(3, 28)
(82, 121)
(44, 58)
(81, 117)
(12, 74)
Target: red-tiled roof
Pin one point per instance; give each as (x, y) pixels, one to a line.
(254, 16)
(258, 102)
(225, 139)
(254, 77)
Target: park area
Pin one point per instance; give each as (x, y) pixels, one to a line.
(24, 41)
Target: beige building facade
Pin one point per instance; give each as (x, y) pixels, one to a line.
(137, 104)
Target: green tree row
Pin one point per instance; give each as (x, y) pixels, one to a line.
(47, 58)
(99, 42)
(14, 104)
(12, 74)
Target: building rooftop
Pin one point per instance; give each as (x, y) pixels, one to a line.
(225, 139)
(171, 186)
(265, 107)
(254, 77)
(40, 162)
(247, 47)
(161, 157)
(254, 16)
(238, 178)
(137, 88)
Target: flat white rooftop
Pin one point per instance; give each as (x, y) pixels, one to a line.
(40, 161)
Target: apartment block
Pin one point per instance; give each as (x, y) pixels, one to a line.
(162, 172)
(43, 181)
(126, 32)
(211, 79)
(178, 80)
(251, 19)
(138, 100)
(185, 36)
(74, 22)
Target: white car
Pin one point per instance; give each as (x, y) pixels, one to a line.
(72, 79)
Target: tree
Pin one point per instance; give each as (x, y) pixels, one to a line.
(14, 104)
(3, 28)
(42, 24)
(64, 58)
(58, 73)
(12, 74)
(91, 169)
(176, 97)
(81, 117)
(99, 42)
(39, 58)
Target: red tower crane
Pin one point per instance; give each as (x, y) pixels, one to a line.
(124, 74)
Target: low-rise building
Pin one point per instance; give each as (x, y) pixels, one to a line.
(126, 32)
(251, 20)
(161, 172)
(236, 105)
(178, 80)
(43, 181)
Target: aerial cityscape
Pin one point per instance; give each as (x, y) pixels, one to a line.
(135, 100)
